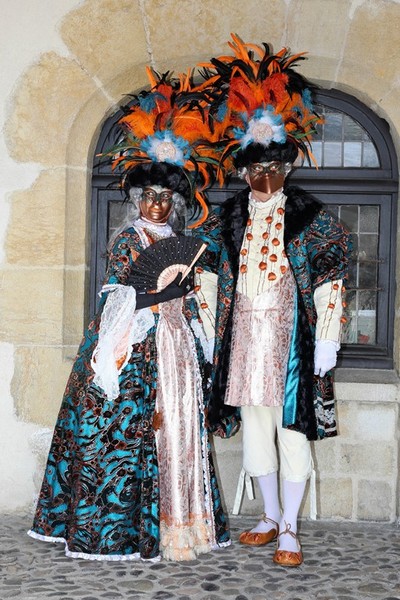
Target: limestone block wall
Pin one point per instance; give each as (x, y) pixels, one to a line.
(85, 57)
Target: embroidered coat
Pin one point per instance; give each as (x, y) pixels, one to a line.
(318, 248)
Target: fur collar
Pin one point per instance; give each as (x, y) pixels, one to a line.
(301, 209)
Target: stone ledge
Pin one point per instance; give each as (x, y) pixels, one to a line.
(367, 385)
(381, 376)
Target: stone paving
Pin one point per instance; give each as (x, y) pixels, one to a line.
(343, 561)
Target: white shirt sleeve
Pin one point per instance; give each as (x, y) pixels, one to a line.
(329, 307)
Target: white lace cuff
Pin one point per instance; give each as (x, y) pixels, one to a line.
(120, 327)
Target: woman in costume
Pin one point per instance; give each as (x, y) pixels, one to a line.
(130, 473)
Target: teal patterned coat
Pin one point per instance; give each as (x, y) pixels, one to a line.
(318, 249)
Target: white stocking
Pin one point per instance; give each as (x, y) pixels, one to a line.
(292, 495)
(269, 491)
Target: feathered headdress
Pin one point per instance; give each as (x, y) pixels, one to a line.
(265, 99)
(171, 123)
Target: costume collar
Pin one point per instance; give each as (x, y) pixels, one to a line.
(279, 196)
(160, 229)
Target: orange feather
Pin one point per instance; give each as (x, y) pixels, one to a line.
(151, 76)
(139, 122)
(201, 200)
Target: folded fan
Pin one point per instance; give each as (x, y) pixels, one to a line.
(160, 263)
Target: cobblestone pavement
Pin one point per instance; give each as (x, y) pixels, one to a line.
(343, 561)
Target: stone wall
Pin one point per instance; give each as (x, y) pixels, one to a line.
(54, 110)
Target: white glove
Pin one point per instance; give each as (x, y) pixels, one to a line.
(324, 356)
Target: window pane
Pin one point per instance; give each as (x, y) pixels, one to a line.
(349, 216)
(349, 333)
(352, 130)
(352, 152)
(367, 300)
(361, 318)
(352, 279)
(317, 151)
(319, 129)
(368, 246)
(333, 127)
(116, 215)
(354, 239)
(369, 219)
(367, 275)
(332, 154)
(370, 156)
(366, 322)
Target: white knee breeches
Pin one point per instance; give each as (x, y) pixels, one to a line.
(263, 436)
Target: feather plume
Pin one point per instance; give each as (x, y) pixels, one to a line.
(254, 79)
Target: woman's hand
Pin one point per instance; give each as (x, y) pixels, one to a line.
(172, 291)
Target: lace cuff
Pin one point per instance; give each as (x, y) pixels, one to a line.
(120, 327)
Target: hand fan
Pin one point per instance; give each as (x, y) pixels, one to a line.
(160, 263)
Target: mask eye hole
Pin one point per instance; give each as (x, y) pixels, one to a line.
(151, 196)
(272, 168)
(256, 169)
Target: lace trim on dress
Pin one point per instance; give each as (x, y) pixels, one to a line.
(207, 345)
(86, 556)
(120, 327)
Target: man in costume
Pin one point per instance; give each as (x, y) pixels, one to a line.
(289, 259)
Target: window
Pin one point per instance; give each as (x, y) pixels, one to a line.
(357, 181)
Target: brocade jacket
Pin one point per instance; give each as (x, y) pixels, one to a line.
(318, 248)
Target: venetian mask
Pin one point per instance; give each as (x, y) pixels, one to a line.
(156, 203)
(267, 178)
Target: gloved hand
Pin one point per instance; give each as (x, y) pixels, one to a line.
(172, 291)
(325, 355)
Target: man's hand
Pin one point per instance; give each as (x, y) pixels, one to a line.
(325, 356)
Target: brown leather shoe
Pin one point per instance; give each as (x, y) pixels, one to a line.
(250, 538)
(287, 558)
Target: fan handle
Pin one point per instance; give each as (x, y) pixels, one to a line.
(195, 259)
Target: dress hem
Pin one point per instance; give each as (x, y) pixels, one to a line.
(86, 556)
(105, 557)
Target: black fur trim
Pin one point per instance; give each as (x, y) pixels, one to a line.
(234, 215)
(301, 209)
